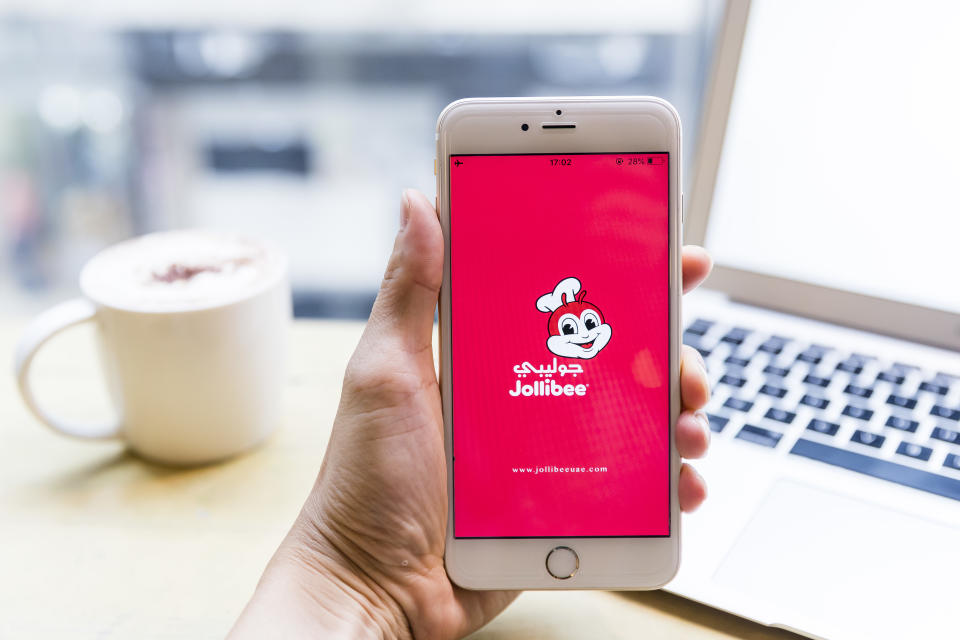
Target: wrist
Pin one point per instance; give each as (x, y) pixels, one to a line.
(308, 589)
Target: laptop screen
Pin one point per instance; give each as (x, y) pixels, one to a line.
(841, 161)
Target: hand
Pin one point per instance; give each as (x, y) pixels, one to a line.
(365, 556)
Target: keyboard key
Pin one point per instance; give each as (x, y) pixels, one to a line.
(736, 336)
(738, 405)
(773, 344)
(811, 355)
(781, 372)
(883, 469)
(851, 365)
(759, 435)
(901, 401)
(943, 412)
(902, 423)
(857, 412)
(860, 392)
(817, 380)
(717, 423)
(947, 435)
(952, 461)
(734, 381)
(824, 427)
(814, 401)
(737, 361)
(867, 438)
(890, 376)
(780, 415)
(693, 340)
(934, 387)
(903, 367)
(703, 351)
(770, 390)
(916, 451)
(699, 327)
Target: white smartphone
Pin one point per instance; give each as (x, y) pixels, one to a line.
(560, 339)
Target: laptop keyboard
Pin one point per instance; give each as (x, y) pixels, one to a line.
(888, 420)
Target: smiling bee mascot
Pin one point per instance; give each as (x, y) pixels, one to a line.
(576, 327)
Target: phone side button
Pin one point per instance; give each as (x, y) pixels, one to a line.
(562, 563)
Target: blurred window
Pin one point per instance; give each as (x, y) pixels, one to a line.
(300, 126)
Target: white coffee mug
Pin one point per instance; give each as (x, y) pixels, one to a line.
(194, 382)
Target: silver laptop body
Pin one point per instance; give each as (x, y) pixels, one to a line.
(831, 326)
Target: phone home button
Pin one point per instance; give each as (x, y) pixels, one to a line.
(562, 563)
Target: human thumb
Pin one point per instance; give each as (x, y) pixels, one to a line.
(404, 308)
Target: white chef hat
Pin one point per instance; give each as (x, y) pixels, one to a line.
(550, 302)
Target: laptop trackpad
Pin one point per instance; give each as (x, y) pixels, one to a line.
(839, 567)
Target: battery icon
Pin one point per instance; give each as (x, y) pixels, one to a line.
(655, 159)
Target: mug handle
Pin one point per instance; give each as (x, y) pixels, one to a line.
(45, 326)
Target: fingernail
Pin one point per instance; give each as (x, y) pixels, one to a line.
(702, 419)
(404, 208)
(703, 365)
(705, 423)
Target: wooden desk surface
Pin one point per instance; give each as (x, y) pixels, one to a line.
(95, 543)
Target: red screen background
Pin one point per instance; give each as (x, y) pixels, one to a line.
(519, 225)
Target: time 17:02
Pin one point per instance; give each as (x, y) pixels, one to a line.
(561, 162)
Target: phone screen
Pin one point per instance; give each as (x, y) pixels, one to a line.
(560, 345)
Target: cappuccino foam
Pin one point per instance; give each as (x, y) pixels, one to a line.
(180, 270)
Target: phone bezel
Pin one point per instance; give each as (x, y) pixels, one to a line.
(603, 125)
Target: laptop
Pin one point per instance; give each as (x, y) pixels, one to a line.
(825, 190)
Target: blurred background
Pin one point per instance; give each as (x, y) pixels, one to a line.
(296, 122)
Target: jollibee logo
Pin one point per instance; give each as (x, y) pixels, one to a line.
(576, 329)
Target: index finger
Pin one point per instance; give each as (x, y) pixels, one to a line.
(696, 267)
